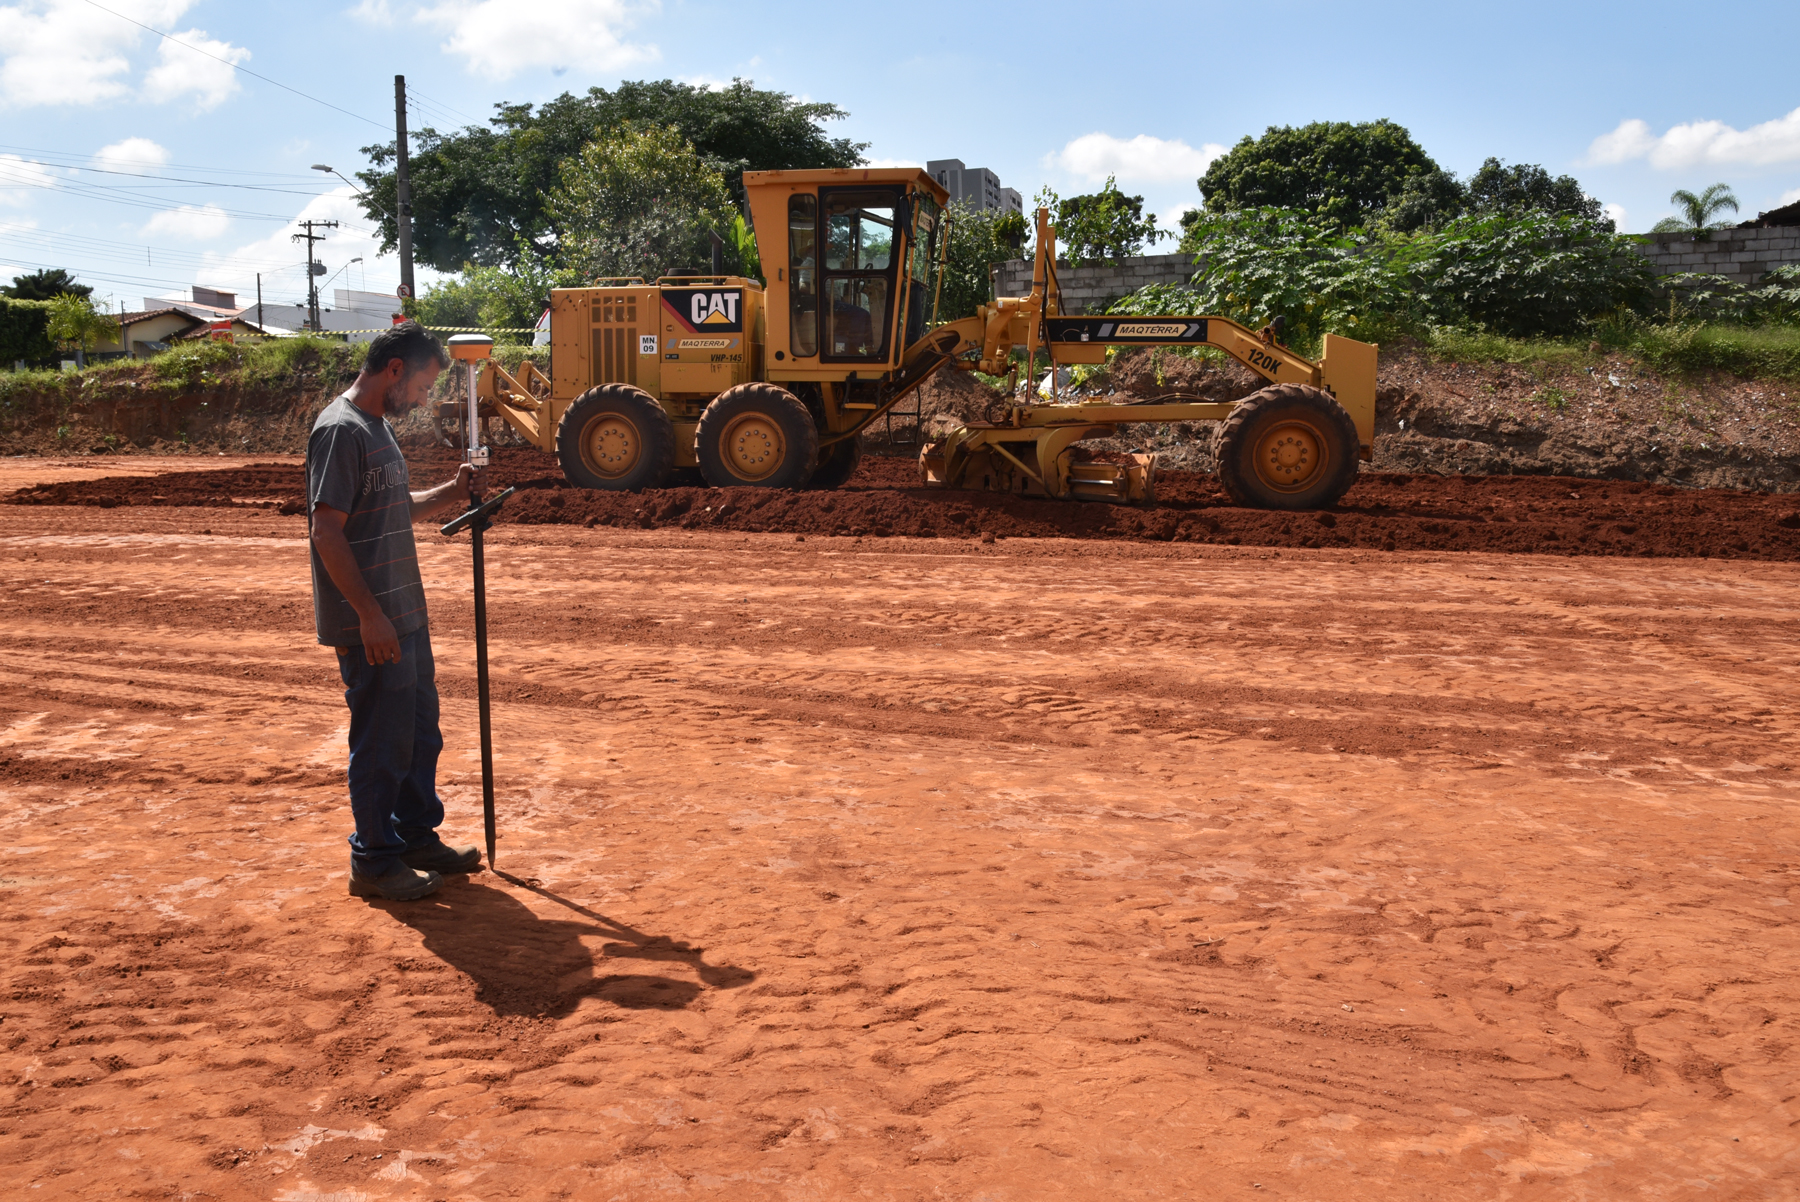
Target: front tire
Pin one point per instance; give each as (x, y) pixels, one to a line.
(756, 435)
(1288, 447)
(837, 463)
(616, 437)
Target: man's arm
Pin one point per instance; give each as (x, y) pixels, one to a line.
(451, 494)
(380, 643)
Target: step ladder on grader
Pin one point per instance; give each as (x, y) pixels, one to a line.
(773, 383)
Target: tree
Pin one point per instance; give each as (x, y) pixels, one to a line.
(44, 285)
(638, 204)
(494, 298)
(1433, 199)
(1528, 188)
(979, 238)
(75, 323)
(1337, 171)
(1104, 226)
(478, 192)
(1697, 212)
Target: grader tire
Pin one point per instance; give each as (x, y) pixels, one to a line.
(1288, 447)
(756, 435)
(616, 437)
(837, 463)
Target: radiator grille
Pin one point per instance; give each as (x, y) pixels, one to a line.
(615, 340)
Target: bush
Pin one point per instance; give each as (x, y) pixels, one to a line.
(24, 331)
(978, 240)
(1522, 275)
(1266, 263)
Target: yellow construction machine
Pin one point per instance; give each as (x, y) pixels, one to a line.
(773, 383)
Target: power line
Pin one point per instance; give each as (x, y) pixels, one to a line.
(77, 160)
(247, 71)
(173, 179)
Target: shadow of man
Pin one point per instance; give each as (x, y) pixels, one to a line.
(523, 964)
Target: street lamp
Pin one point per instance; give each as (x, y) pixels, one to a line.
(339, 174)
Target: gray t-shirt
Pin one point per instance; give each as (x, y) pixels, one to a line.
(354, 465)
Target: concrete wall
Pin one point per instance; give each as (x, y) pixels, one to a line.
(1091, 289)
(1740, 255)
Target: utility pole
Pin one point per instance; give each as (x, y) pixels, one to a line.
(402, 191)
(259, 320)
(313, 269)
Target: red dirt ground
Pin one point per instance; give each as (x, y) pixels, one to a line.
(907, 869)
(1383, 511)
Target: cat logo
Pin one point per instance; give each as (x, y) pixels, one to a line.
(706, 310)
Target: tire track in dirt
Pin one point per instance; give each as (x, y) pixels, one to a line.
(766, 946)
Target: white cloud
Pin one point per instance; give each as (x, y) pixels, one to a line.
(180, 71)
(1143, 158)
(373, 12)
(19, 178)
(193, 223)
(894, 163)
(500, 38)
(1171, 220)
(282, 261)
(1697, 143)
(68, 52)
(1617, 214)
(130, 153)
(1789, 197)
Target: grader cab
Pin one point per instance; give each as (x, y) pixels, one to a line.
(772, 383)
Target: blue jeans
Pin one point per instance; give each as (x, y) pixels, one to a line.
(394, 746)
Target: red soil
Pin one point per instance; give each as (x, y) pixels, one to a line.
(1384, 511)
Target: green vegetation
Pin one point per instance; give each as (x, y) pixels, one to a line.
(638, 204)
(494, 298)
(24, 331)
(1338, 173)
(481, 195)
(47, 284)
(76, 324)
(978, 239)
(1101, 227)
(1697, 212)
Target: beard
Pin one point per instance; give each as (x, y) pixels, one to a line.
(395, 400)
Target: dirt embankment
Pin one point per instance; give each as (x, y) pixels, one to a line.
(1608, 420)
(1384, 511)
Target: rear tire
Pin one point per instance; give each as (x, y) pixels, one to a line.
(837, 463)
(615, 437)
(758, 436)
(1288, 447)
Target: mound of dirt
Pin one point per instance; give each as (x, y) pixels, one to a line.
(1383, 511)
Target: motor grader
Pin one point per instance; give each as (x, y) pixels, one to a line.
(772, 383)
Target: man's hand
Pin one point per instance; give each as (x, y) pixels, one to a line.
(380, 643)
(451, 495)
(470, 480)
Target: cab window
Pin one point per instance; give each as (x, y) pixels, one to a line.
(803, 276)
(860, 256)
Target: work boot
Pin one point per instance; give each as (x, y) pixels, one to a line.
(441, 858)
(400, 884)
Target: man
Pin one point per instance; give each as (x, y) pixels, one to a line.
(369, 605)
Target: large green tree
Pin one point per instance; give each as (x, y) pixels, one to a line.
(638, 204)
(1433, 199)
(479, 195)
(44, 285)
(1341, 172)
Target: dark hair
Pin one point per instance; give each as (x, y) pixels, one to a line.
(408, 342)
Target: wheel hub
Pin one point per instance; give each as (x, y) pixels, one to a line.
(611, 446)
(1290, 455)
(753, 446)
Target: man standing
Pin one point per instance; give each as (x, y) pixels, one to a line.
(369, 604)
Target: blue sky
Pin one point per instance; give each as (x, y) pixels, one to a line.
(144, 167)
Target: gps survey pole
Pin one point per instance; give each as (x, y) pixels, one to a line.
(478, 519)
(470, 350)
